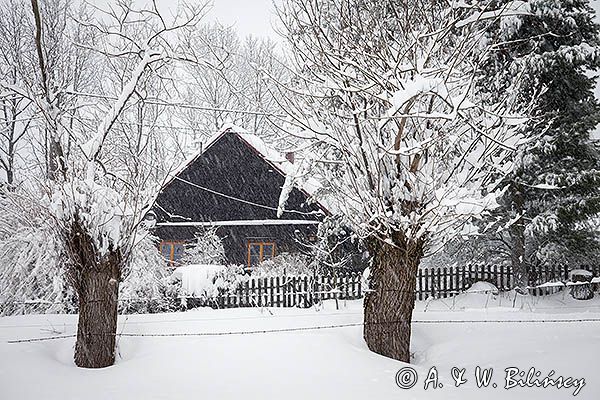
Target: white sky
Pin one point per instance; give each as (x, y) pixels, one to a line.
(255, 17)
(249, 17)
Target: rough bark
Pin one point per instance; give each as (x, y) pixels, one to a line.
(517, 238)
(96, 280)
(389, 306)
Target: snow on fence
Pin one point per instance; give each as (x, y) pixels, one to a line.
(305, 291)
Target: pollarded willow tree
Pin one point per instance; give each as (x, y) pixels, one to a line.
(93, 202)
(386, 93)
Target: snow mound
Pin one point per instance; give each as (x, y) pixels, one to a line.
(482, 287)
(198, 280)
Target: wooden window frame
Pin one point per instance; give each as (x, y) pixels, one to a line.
(261, 245)
(172, 243)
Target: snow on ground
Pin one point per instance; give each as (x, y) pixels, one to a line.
(317, 364)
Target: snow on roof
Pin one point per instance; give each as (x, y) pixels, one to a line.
(268, 153)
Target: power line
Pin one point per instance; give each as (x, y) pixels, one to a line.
(183, 105)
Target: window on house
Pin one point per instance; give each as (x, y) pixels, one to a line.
(260, 251)
(172, 251)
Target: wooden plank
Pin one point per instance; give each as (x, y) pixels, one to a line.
(420, 284)
(258, 293)
(426, 271)
(472, 276)
(305, 290)
(452, 274)
(456, 280)
(284, 291)
(277, 292)
(293, 292)
(443, 287)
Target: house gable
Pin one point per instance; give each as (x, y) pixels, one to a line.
(230, 181)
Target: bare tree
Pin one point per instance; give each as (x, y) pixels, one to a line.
(235, 82)
(15, 116)
(386, 94)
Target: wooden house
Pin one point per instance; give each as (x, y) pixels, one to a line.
(234, 184)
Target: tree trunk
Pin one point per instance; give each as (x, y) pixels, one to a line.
(517, 236)
(97, 326)
(96, 280)
(389, 306)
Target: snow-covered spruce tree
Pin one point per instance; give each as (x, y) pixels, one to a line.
(387, 87)
(554, 185)
(207, 249)
(97, 207)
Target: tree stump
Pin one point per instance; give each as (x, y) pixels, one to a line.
(581, 289)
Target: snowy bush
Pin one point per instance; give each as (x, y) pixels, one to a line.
(146, 287)
(206, 282)
(339, 247)
(207, 249)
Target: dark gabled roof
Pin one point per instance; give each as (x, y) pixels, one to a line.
(198, 174)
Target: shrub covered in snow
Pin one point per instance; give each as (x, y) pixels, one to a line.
(146, 287)
(339, 247)
(207, 249)
(206, 281)
(33, 277)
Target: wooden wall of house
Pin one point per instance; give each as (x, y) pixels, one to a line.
(287, 238)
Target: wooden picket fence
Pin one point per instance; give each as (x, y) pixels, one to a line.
(287, 291)
(304, 291)
(447, 282)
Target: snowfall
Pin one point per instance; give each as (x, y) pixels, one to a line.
(328, 363)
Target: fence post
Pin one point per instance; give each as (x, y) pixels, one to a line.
(305, 291)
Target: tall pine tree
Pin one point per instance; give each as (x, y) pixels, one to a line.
(547, 55)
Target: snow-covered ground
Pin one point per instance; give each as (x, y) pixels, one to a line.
(314, 364)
